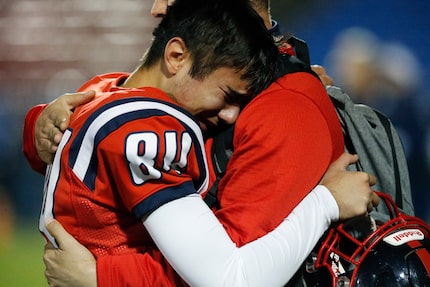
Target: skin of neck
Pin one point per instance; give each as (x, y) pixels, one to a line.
(144, 77)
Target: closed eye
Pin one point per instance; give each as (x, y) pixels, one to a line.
(233, 97)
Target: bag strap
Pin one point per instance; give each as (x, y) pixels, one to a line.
(387, 126)
(222, 149)
(301, 49)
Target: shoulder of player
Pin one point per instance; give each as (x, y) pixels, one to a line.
(103, 82)
(298, 81)
(138, 104)
(116, 111)
(300, 84)
(293, 84)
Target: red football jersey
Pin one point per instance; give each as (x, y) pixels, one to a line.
(125, 154)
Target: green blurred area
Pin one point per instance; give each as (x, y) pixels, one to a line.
(21, 263)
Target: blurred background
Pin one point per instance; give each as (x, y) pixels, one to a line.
(377, 51)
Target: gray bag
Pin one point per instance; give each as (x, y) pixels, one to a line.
(371, 135)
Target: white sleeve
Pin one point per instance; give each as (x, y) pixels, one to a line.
(200, 250)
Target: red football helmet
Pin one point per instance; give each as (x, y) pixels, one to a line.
(366, 253)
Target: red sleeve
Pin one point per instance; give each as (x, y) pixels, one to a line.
(283, 143)
(134, 270)
(29, 147)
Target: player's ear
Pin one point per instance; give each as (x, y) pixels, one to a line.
(175, 55)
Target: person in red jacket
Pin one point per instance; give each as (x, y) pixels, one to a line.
(300, 106)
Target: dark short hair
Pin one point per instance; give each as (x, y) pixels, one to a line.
(219, 33)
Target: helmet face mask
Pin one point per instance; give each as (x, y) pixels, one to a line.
(365, 253)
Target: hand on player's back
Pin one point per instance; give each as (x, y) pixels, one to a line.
(71, 264)
(54, 120)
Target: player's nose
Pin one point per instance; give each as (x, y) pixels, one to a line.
(229, 114)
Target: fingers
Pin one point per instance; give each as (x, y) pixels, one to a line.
(72, 264)
(72, 101)
(372, 180)
(54, 120)
(63, 238)
(322, 74)
(373, 202)
(326, 80)
(338, 166)
(77, 99)
(318, 69)
(61, 117)
(48, 255)
(53, 135)
(345, 160)
(375, 199)
(49, 246)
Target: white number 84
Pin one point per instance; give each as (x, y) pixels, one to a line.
(142, 149)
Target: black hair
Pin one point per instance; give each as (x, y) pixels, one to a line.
(219, 33)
